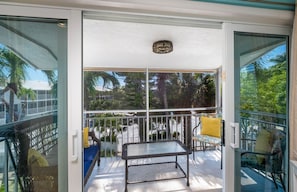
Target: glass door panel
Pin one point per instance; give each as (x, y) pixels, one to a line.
(32, 54)
(261, 81)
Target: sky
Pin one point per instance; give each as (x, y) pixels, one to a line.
(267, 57)
(35, 75)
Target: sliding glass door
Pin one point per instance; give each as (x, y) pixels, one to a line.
(35, 147)
(259, 136)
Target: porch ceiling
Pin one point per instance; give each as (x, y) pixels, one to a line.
(118, 44)
(31, 40)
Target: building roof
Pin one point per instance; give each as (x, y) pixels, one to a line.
(37, 85)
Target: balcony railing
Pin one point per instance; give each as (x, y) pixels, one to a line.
(117, 128)
(42, 134)
(252, 122)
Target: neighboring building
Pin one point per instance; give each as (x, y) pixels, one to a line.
(4, 102)
(44, 102)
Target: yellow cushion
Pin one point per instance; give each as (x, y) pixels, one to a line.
(86, 137)
(211, 126)
(263, 144)
(36, 159)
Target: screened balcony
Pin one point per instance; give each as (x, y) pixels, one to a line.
(205, 172)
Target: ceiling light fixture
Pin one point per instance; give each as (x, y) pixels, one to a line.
(162, 47)
(62, 24)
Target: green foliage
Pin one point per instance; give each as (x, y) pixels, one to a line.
(196, 90)
(264, 88)
(175, 135)
(166, 90)
(90, 82)
(2, 189)
(110, 138)
(107, 120)
(134, 97)
(157, 136)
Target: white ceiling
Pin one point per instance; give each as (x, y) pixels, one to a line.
(119, 44)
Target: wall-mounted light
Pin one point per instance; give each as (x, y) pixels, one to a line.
(162, 47)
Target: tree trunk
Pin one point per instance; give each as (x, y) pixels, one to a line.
(11, 106)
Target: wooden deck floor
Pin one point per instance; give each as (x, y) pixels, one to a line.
(205, 175)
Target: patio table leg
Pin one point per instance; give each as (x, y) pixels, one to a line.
(176, 161)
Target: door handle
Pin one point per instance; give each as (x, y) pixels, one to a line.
(234, 135)
(74, 156)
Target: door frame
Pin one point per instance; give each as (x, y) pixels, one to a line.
(229, 97)
(70, 165)
(73, 112)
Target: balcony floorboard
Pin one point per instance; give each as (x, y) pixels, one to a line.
(205, 174)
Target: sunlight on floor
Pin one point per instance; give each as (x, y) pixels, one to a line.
(205, 175)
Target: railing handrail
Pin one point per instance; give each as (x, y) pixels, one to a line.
(7, 130)
(282, 116)
(153, 110)
(262, 121)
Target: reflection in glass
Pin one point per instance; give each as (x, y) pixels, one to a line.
(261, 61)
(31, 54)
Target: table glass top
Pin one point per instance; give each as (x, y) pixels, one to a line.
(154, 148)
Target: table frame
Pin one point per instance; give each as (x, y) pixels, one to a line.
(142, 156)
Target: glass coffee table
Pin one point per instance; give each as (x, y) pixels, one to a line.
(143, 150)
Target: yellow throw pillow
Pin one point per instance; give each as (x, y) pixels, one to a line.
(263, 144)
(211, 126)
(86, 137)
(36, 159)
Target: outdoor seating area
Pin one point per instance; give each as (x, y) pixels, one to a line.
(205, 162)
(205, 175)
(104, 168)
(208, 132)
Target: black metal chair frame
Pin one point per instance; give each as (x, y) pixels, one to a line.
(270, 158)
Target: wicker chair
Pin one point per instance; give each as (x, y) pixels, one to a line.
(35, 142)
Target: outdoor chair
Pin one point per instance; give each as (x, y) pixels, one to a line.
(266, 154)
(211, 133)
(92, 146)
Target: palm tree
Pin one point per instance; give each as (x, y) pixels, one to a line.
(27, 94)
(161, 85)
(90, 81)
(14, 68)
(13, 72)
